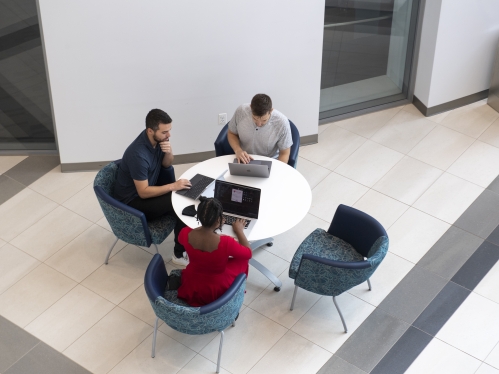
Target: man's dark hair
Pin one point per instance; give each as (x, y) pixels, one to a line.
(261, 104)
(155, 117)
(209, 211)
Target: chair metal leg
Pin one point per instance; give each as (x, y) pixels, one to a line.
(341, 315)
(157, 250)
(110, 250)
(220, 350)
(369, 284)
(154, 338)
(234, 323)
(294, 296)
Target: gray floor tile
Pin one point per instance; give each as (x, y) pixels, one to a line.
(45, 360)
(482, 217)
(413, 294)
(494, 236)
(14, 343)
(336, 365)
(441, 308)
(494, 186)
(373, 338)
(32, 168)
(8, 188)
(451, 251)
(477, 266)
(403, 353)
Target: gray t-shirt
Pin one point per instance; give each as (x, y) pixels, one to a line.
(267, 140)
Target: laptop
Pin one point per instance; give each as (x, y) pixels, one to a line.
(199, 183)
(238, 201)
(256, 168)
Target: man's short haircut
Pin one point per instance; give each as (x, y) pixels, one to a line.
(261, 104)
(155, 117)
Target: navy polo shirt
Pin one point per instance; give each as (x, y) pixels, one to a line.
(140, 161)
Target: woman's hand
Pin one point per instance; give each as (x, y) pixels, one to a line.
(238, 225)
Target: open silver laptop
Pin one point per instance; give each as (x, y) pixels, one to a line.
(256, 168)
(238, 201)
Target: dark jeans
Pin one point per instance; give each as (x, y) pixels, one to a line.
(156, 207)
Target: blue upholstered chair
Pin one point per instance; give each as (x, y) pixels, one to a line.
(346, 255)
(177, 314)
(127, 223)
(223, 148)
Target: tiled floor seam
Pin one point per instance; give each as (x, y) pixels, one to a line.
(24, 354)
(412, 325)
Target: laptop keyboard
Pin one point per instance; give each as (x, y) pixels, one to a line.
(229, 220)
(198, 184)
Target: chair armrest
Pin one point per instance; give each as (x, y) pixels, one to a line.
(226, 297)
(337, 264)
(99, 191)
(166, 176)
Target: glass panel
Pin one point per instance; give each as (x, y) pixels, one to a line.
(25, 115)
(366, 49)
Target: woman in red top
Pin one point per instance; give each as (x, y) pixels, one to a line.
(214, 260)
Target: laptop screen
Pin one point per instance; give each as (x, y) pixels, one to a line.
(238, 199)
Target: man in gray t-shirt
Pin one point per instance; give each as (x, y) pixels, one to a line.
(259, 129)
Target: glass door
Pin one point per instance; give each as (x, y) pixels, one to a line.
(367, 53)
(25, 112)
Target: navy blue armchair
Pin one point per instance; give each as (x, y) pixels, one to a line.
(127, 223)
(223, 148)
(346, 255)
(177, 314)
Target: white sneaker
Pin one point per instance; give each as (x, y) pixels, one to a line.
(182, 261)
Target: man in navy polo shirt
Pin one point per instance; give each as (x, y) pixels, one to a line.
(140, 169)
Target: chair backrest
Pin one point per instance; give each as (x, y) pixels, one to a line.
(293, 154)
(127, 223)
(106, 177)
(215, 316)
(223, 148)
(356, 228)
(155, 278)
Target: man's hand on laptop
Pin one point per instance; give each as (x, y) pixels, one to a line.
(181, 184)
(243, 157)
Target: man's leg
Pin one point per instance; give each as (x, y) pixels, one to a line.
(156, 207)
(166, 176)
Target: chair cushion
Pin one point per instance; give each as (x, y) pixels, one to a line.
(322, 244)
(160, 228)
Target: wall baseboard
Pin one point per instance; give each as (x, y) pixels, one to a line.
(454, 104)
(178, 160)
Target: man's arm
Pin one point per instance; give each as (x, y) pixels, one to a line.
(284, 155)
(168, 157)
(145, 191)
(241, 155)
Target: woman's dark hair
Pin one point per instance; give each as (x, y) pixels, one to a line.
(209, 211)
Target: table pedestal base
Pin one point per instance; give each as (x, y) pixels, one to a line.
(262, 269)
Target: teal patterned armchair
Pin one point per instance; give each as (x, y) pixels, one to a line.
(177, 314)
(334, 261)
(127, 223)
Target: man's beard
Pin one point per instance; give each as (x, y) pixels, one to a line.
(158, 140)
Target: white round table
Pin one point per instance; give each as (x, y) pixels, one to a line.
(285, 199)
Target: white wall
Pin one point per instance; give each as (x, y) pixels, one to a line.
(110, 62)
(458, 45)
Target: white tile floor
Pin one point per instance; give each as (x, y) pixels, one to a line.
(416, 175)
